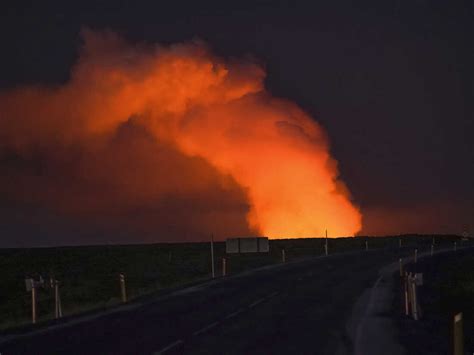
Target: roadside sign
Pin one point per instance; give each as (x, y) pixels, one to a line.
(29, 284)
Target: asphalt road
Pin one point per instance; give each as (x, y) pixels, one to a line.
(297, 308)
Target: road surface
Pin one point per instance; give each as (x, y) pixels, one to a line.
(296, 308)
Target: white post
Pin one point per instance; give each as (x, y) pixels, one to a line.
(57, 301)
(223, 266)
(407, 296)
(123, 290)
(326, 245)
(366, 245)
(33, 303)
(413, 299)
(432, 249)
(399, 242)
(212, 256)
(416, 255)
(458, 335)
(283, 256)
(454, 246)
(401, 267)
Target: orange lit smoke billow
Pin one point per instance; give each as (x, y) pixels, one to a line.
(142, 125)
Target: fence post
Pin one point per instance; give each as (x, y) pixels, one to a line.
(366, 245)
(432, 249)
(458, 335)
(416, 255)
(399, 242)
(223, 267)
(401, 267)
(454, 246)
(123, 290)
(283, 256)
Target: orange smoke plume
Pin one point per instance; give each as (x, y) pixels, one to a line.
(204, 122)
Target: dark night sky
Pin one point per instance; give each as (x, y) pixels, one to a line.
(391, 81)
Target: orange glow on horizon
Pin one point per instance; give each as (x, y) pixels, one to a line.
(203, 107)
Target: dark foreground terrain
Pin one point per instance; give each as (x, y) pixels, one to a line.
(300, 308)
(293, 308)
(89, 275)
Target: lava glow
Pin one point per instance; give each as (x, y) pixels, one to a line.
(204, 108)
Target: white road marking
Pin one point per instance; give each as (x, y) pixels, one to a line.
(206, 328)
(169, 347)
(251, 305)
(273, 294)
(233, 314)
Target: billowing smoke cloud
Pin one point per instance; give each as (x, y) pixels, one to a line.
(170, 142)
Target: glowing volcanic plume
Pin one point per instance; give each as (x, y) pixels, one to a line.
(200, 106)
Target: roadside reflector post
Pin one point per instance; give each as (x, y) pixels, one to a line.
(401, 267)
(123, 290)
(33, 304)
(212, 256)
(58, 312)
(414, 305)
(407, 296)
(399, 242)
(458, 335)
(416, 255)
(454, 246)
(366, 245)
(283, 256)
(223, 267)
(432, 249)
(31, 287)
